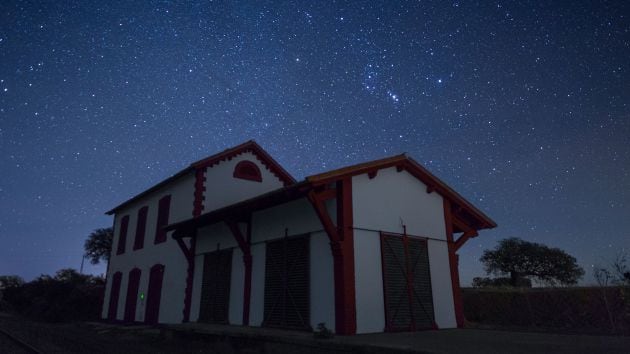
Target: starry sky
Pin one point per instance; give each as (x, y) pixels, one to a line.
(521, 106)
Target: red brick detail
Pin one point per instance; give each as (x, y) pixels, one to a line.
(200, 179)
(261, 155)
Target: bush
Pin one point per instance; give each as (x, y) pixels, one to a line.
(69, 296)
(598, 310)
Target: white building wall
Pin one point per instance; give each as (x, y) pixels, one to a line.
(368, 279)
(322, 282)
(441, 286)
(385, 203)
(257, 300)
(167, 253)
(222, 189)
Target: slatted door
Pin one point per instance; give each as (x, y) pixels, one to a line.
(287, 279)
(215, 287)
(407, 283)
(154, 294)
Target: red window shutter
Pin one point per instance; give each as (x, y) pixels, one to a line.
(247, 170)
(140, 228)
(122, 238)
(162, 219)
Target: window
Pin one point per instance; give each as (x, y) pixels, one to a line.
(162, 219)
(247, 170)
(122, 238)
(140, 228)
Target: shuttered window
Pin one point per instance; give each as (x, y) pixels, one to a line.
(132, 295)
(122, 235)
(407, 283)
(114, 294)
(287, 279)
(141, 227)
(164, 207)
(154, 294)
(215, 287)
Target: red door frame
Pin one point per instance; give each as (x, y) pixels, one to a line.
(132, 295)
(114, 294)
(154, 294)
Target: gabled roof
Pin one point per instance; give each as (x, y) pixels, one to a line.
(249, 146)
(467, 212)
(403, 162)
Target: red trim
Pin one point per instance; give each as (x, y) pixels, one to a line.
(244, 245)
(141, 226)
(164, 206)
(469, 212)
(465, 237)
(342, 246)
(249, 146)
(122, 235)
(453, 264)
(409, 279)
(247, 170)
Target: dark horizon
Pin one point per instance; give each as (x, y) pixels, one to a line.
(521, 107)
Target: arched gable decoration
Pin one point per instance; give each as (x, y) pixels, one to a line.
(247, 170)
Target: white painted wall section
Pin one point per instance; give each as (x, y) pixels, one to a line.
(257, 302)
(382, 202)
(167, 253)
(322, 281)
(441, 287)
(222, 189)
(368, 274)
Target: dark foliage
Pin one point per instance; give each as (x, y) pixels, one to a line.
(484, 282)
(68, 296)
(521, 259)
(99, 245)
(573, 310)
(10, 281)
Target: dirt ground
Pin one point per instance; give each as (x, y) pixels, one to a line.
(199, 338)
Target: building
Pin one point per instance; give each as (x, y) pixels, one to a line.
(235, 239)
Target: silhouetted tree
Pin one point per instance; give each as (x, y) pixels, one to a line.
(522, 259)
(10, 281)
(99, 245)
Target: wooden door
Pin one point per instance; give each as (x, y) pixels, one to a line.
(154, 294)
(132, 295)
(407, 283)
(287, 283)
(114, 294)
(215, 287)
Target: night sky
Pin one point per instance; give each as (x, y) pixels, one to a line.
(522, 107)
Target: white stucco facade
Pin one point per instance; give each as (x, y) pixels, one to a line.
(387, 200)
(166, 253)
